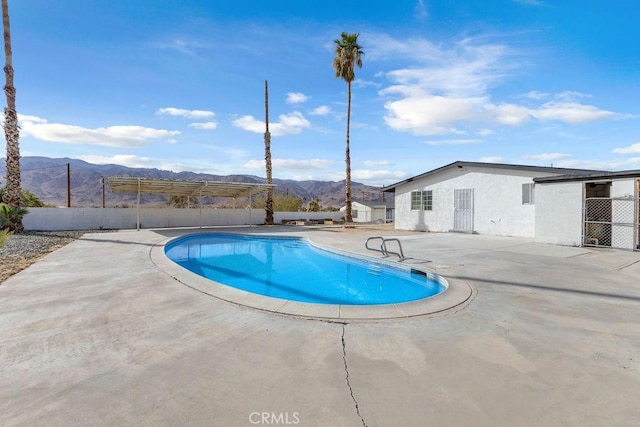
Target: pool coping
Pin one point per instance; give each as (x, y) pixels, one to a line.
(456, 294)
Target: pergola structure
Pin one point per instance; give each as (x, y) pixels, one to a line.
(173, 187)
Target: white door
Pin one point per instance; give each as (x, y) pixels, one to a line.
(463, 209)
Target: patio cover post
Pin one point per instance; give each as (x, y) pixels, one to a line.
(138, 208)
(200, 206)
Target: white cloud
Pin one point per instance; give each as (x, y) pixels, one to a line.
(453, 141)
(534, 94)
(547, 156)
(424, 114)
(466, 68)
(322, 110)
(288, 124)
(508, 114)
(189, 114)
(602, 165)
(372, 163)
(182, 45)
(296, 98)
(133, 161)
(129, 160)
(376, 175)
(571, 112)
(33, 119)
(570, 95)
(568, 112)
(632, 149)
(290, 164)
(421, 10)
(485, 132)
(204, 125)
(112, 136)
(492, 159)
(448, 91)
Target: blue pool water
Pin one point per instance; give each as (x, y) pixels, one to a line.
(293, 269)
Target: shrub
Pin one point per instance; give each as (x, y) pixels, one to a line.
(9, 216)
(4, 236)
(27, 199)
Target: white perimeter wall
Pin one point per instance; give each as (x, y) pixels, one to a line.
(558, 218)
(498, 208)
(118, 218)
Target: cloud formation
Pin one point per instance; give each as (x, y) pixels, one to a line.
(129, 160)
(370, 175)
(287, 124)
(322, 110)
(111, 136)
(449, 89)
(133, 161)
(547, 156)
(632, 149)
(189, 114)
(372, 163)
(453, 141)
(204, 125)
(291, 164)
(296, 98)
(492, 159)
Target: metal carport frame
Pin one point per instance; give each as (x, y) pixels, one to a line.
(172, 187)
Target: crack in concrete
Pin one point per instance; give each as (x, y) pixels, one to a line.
(346, 370)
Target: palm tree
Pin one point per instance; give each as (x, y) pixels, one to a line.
(267, 159)
(348, 53)
(11, 132)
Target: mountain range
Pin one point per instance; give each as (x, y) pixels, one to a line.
(47, 179)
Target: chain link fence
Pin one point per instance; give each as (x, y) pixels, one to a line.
(611, 222)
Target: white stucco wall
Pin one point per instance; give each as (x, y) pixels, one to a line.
(498, 208)
(558, 218)
(52, 219)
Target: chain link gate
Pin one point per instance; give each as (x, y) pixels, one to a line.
(611, 222)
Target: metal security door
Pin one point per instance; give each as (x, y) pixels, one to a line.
(463, 209)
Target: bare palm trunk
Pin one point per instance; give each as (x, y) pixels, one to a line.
(347, 157)
(12, 135)
(267, 158)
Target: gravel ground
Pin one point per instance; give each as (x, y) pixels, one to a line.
(22, 250)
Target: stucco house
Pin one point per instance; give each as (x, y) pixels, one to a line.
(509, 200)
(373, 212)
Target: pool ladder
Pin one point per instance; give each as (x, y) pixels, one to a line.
(383, 247)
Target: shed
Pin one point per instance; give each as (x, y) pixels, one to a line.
(372, 211)
(597, 209)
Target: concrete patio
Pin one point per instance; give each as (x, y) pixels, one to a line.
(97, 334)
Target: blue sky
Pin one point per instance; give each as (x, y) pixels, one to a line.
(179, 85)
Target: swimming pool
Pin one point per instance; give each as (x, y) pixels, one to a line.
(293, 269)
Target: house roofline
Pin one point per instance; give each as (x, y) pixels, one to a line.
(462, 164)
(589, 176)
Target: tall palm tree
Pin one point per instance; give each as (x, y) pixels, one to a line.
(348, 56)
(12, 135)
(267, 159)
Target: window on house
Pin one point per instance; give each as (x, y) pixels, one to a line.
(354, 213)
(528, 194)
(421, 200)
